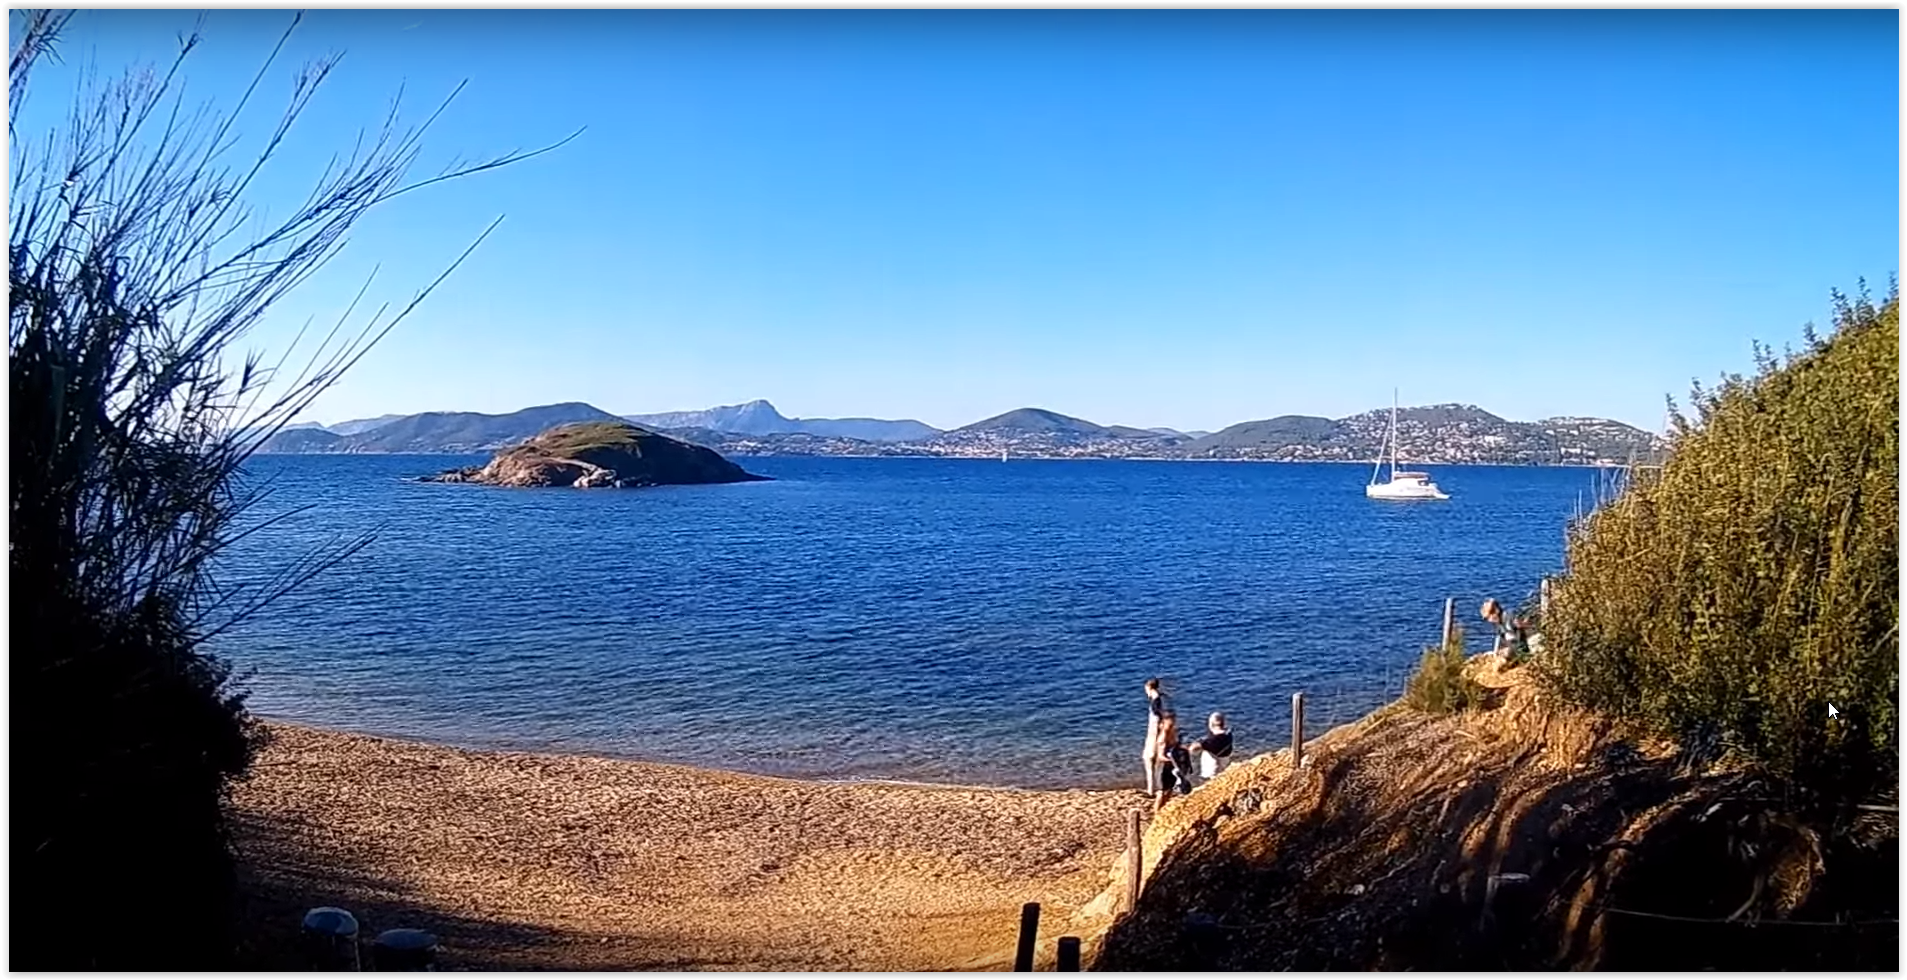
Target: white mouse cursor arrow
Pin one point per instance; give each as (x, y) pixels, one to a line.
(1832, 713)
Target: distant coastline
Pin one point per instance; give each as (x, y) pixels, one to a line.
(978, 458)
(1431, 435)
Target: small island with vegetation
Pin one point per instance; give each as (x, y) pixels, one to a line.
(600, 454)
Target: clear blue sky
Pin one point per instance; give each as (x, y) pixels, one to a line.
(1147, 218)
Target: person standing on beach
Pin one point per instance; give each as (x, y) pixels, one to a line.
(1174, 763)
(1155, 708)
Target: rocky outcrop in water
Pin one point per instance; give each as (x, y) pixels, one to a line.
(600, 454)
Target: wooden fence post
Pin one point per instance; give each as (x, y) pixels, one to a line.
(1029, 931)
(1068, 954)
(1449, 619)
(331, 939)
(1297, 729)
(1135, 859)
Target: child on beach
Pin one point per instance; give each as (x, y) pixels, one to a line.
(1149, 756)
(1214, 750)
(1175, 764)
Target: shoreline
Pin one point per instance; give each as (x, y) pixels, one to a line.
(275, 723)
(534, 860)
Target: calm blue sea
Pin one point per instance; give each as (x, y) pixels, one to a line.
(970, 621)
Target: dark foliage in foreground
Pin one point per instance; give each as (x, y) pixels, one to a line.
(132, 268)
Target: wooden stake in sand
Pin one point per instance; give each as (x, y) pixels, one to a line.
(1297, 729)
(1029, 931)
(1135, 858)
(1068, 954)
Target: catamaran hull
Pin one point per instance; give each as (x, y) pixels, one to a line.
(1378, 491)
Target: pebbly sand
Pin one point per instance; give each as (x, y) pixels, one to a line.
(529, 861)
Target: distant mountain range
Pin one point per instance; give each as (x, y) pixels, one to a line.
(433, 432)
(758, 418)
(1428, 435)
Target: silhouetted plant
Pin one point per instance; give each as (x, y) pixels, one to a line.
(131, 271)
(1729, 597)
(1439, 686)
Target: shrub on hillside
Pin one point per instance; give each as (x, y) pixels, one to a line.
(1439, 686)
(1729, 597)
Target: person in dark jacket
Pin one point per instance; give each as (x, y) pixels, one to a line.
(1214, 749)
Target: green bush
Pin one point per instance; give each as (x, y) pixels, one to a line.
(1439, 686)
(1728, 597)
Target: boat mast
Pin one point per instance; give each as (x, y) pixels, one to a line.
(1378, 466)
(1393, 435)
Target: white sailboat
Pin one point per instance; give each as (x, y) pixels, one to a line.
(1403, 484)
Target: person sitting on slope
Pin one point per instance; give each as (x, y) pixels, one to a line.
(1214, 749)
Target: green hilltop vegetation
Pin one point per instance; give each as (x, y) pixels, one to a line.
(584, 437)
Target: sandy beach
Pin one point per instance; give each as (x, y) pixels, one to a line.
(531, 861)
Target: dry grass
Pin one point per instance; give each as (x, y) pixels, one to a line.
(577, 437)
(541, 861)
(1494, 839)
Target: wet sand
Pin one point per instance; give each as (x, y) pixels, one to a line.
(530, 861)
